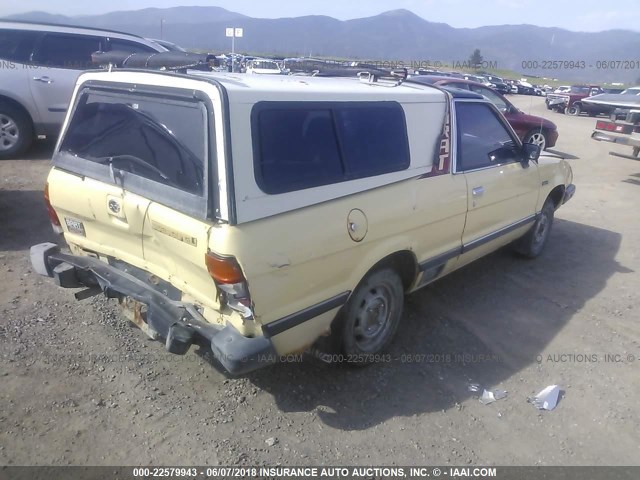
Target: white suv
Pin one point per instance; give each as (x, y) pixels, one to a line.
(39, 66)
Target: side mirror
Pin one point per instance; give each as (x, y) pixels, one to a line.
(530, 153)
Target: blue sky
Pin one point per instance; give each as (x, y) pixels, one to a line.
(581, 15)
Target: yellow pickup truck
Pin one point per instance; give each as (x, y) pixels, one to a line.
(261, 215)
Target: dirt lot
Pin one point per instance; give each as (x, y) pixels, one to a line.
(79, 386)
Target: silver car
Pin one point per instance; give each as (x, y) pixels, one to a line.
(39, 65)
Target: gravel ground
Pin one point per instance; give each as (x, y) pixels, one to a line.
(80, 386)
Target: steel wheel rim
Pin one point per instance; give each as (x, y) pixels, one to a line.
(373, 318)
(9, 132)
(541, 229)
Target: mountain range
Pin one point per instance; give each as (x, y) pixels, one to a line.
(395, 36)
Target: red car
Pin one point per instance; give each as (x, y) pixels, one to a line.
(529, 128)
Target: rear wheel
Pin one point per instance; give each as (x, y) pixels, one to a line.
(16, 132)
(371, 317)
(537, 137)
(532, 243)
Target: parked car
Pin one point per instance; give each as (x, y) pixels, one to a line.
(570, 102)
(529, 128)
(498, 84)
(615, 105)
(562, 89)
(524, 88)
(260, 66)
(41, 64)
(295, 218)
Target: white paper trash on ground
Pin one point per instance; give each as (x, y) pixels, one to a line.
(547, 399)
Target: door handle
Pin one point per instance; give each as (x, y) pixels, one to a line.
(45, 79)
(478, 191)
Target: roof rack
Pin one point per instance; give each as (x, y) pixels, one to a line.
(366, 72)
(167, 61)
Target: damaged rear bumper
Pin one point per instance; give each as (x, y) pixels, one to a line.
(180, 324)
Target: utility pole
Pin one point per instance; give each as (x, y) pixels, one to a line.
(162, 29)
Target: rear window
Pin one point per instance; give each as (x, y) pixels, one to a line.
(305, 145)
(156, 138)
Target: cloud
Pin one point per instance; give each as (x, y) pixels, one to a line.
(606, 20)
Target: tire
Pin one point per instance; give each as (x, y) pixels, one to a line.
(574, 110)
(16, 132)
(533, 242)
(371, 317)
(537, 137)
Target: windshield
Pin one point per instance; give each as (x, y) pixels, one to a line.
(156, 138)
(631, 91)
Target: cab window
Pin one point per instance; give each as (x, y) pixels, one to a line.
(483, 140)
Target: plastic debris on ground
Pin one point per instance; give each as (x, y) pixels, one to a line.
(547, 399)
(489, 396)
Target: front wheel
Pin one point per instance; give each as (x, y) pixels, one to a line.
(537, 137)
(371, 317)
(532, 243)
(574, 110)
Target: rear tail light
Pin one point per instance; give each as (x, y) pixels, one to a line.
(53, 216)
(230, 282)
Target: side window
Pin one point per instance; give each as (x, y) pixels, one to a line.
(17, 45)
(120, 45)
(483, 140)
(297, 149)
(373, 140)
(66, 51)
(298, 146)
(491, 96)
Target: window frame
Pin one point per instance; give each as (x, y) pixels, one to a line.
(331, 106)
(198, 206)
(456, 138)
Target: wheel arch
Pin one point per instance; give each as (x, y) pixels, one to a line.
(403, 262)
(556, 195)
(5, 100)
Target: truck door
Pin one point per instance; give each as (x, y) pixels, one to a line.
(502, 192)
